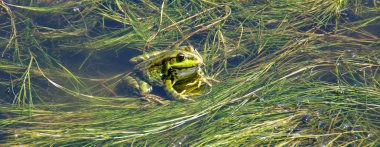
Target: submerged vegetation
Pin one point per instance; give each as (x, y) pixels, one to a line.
(291, 72)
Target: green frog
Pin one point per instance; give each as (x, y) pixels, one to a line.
(177, 71)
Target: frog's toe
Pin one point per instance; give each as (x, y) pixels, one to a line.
(184, 97)
(155, 99)
(188, 99)
(177, 96)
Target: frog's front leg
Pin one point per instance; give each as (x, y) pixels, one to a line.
(172, 93)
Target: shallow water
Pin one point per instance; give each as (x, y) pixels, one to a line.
(282, 73)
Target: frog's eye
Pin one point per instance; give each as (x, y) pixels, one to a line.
(180, 57)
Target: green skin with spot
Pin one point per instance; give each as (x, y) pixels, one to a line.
(178, 77)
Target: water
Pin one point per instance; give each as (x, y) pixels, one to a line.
(312, 83)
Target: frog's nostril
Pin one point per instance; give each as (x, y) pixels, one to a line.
(180, 57)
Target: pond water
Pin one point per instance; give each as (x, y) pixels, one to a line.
(284, 72)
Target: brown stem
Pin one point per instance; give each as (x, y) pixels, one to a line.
(13, 24)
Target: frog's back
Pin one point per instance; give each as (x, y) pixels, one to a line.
(154, 75)
(151, 71)
(146, 56)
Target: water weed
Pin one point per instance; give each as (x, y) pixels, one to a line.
(284, 72)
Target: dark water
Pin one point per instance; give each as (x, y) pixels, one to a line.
(101, 64)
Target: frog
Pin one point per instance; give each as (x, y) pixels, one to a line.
(178, 72)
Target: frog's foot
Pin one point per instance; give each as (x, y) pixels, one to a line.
(207, 81)
(172, 93)
(155, 99)
(200, 82)
(183, 96)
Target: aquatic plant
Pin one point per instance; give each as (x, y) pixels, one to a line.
(291, 72)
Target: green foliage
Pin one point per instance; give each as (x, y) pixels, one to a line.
(286, 72)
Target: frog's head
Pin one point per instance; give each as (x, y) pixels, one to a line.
(194, 55)
(187, 57)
